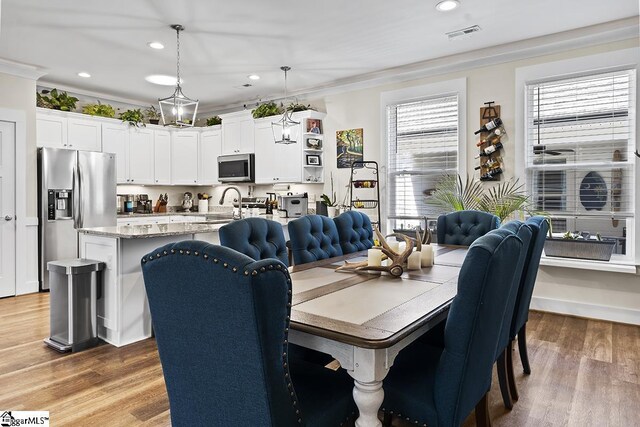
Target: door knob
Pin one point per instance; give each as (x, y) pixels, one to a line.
(8, 218)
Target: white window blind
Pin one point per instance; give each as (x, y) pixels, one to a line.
(579, 152)
(423, 145)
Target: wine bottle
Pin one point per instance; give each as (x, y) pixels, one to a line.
(490, 125)
(489, 150)
(491, 174)
(495, 134)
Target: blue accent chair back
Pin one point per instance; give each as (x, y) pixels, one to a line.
(355, 231)
(539, 227)
(524, 233)
(313, 238)
(257, 238)
(221, 322)
(473, 326)
(464, 227)
(436, 386)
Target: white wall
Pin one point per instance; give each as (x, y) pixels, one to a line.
(613, 296)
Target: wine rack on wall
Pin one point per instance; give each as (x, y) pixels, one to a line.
(490, 143)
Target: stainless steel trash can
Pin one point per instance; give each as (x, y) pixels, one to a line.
(74, 285)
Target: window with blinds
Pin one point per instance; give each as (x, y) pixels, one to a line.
(579, 153)
(423, 145)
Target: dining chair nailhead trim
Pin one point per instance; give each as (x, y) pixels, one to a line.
(288, 318)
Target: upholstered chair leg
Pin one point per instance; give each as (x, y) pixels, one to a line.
(522, 346)
(386, 420)
(513, 388)
(501, 365)
(483, 419)
(289, 252)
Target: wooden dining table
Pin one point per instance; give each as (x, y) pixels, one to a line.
(364, 320)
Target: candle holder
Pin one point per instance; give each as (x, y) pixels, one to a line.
(396, 268)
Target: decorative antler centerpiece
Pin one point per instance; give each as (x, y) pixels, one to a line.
(396, 267)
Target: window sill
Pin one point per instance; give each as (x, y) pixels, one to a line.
(614, 267)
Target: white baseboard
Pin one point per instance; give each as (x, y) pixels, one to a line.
(592, 311)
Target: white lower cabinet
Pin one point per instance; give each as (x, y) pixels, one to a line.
(184, 158)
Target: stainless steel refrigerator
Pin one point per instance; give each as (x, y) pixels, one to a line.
(76, 189)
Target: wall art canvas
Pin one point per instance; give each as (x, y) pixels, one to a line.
(349, 146)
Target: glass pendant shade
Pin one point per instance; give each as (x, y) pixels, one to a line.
(283, 128)
(178, 110)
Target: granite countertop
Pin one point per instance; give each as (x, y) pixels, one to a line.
(143, 231)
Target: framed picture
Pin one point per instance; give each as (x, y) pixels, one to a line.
(349, 147)
(314, 126)
(315, 143)
(313, 160)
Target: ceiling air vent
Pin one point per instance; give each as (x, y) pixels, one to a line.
(463, 33)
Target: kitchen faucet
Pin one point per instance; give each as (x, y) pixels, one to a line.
(239, 198)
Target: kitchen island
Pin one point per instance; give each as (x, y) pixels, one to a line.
(123, 310)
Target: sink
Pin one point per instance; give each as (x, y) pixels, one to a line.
(225, 217)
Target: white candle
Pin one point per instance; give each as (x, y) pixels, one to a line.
(374, 258)
(426, 255)
(413, 262)
(395, 246)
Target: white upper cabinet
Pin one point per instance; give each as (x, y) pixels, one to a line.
(115, 139)
(184, 157)
(141, 158)
(51, 131)
(237, 133)
(210, 149)
(276, 162)
(84, 134)
(162, 155)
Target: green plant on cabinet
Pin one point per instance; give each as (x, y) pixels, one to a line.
(99, 109)
(152, 114)
(56, 100)
(267, 109)
(213, 121)
(133, 117)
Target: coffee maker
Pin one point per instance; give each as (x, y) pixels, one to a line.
(143, 204)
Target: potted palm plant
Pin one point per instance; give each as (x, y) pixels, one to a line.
(502, 200)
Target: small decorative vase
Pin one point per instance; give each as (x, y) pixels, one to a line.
(333, 211)
(203, 205)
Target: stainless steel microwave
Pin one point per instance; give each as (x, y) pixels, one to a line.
(236, 168)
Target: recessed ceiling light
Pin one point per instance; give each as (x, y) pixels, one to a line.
(155, 45)
(163, 80)
(84, 74)
(447, 5)
(253, 77)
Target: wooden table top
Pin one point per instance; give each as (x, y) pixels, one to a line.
(372, 310)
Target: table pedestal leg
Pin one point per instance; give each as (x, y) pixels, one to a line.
(368, 397)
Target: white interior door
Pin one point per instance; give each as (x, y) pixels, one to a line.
(7, 210)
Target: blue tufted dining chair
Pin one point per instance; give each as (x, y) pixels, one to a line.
(440, 386)
(221, 322)
(258, 238)
(464, 227)
(539, 226)
(354, 231)
(313, 237)
(504, 350)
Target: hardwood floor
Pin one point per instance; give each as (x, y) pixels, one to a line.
(584, 373)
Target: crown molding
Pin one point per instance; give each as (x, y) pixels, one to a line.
(608, 32)
(18, 69)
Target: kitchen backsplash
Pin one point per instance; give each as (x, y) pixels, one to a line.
(176, 193)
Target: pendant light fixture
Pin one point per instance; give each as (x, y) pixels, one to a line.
(178, 110)
(282, 128)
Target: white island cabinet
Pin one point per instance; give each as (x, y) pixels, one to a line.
(123, 310)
